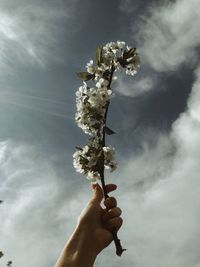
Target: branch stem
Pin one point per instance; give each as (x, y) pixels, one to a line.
(119, 249)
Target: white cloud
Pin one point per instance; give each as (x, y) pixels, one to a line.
(40, 208)
(133, 88)
(30, 31)
(159, 193)
(159, 190)
(169, 36)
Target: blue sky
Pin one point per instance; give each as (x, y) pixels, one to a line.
(155, 114)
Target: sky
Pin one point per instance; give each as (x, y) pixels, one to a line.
(156, 115)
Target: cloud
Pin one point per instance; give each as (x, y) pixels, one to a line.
(40, 208)
(159, 188)
(168, 36)
(159, 193)
(30, 32)
(133, 88)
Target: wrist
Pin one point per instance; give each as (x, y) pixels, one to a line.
(79, 250)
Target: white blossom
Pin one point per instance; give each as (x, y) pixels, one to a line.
(130, 70)
(121, 44)
(82, 91)
(90, 67)
(109, 158)
(93, 176)
(86, 159)
(90, 112)
(100, 70)
(102, 83)
(113, 50)
(91, 103)
(99, 97)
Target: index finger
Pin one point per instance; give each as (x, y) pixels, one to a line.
(110, 187)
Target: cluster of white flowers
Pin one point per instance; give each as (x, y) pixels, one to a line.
(118, 55)
(109, 158)
(112, 51)
(92, 103)
(87, 160)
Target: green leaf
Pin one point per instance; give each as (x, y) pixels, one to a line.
(85, 76)
(108, 130)
(99, 58)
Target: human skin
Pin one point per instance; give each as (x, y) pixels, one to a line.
(93, 231)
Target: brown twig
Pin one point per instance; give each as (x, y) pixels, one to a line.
(119, 249)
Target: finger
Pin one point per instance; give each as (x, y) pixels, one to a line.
(110, 203)
(110, 187)
(112, 213)
(98, 192)
(114, 223)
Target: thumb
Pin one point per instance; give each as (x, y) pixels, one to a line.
(97, 193)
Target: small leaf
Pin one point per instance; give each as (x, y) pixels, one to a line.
(108, 130)
(79, 148)
(122, 62)
(129, 53)
(85, 76)
(1, 254)
(99, 56)
(135, 60)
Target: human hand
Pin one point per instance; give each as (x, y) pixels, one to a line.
(97, 222)
(93, 232)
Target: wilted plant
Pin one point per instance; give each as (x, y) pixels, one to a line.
(92, 109)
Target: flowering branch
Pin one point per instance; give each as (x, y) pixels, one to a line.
(103, 139)
(92, 109)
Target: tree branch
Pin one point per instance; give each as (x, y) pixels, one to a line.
(119, 249)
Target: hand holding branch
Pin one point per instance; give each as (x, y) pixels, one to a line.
(93, 232)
